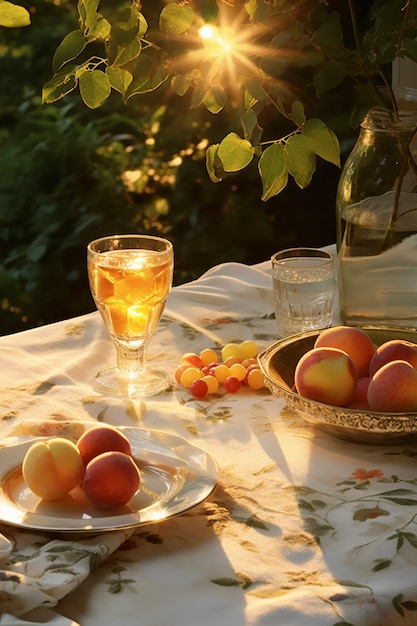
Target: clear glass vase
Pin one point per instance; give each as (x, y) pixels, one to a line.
(377, 221)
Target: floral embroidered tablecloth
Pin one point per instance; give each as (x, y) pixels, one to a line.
(302, 529)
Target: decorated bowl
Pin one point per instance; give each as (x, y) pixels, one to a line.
(278, 363)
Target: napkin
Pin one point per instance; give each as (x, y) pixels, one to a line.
(41, 571)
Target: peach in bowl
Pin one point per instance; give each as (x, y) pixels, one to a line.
(362, 390)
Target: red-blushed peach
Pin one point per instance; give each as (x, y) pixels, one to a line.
(111, 479)
(101, 439)
(393, 350)
(354, 341)
(327, 375)
(393, 388)
(360, 398)
(52, 468)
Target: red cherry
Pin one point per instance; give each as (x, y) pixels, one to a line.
(199, 388)
(232, 384)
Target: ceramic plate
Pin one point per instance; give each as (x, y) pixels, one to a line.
(175, 476)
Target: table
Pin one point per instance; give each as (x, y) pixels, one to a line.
(302, 529)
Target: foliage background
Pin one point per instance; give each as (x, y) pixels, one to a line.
(63, 181)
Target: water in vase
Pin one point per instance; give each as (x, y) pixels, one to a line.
(378, 274)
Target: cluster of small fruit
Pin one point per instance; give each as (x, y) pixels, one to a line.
(202, 374)
(345, 368)
(100, 462)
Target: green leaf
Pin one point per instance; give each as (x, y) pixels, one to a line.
(12, 15)
(69, 48)
(328, 76)
(121, 55)
(226, 582)
(124, 42)
(175, 19)
(315, 528)
(215, 99)
(402, 501)
(297, 113)
(255, 522)
(273, 170)
(87, 10)
(396, 602)
(249, 121)
(94, 88)
(148, 83)
(99, 30)
(197, 98)
(60, 85)
(323, 141)
(381, 564)
(214, 167)
(254, 92)
(125, 26)
(235, 153)
(307, 506)
(180, 84)
(119, 79)
(411, 538)
(301, 160)
(329, 36)
(401, 491)
(259, 10)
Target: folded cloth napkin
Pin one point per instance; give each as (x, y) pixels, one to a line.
(41, 570)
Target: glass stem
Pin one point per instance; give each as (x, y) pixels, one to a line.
(131, 359)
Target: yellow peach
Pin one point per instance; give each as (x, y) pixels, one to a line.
(326, 375)
(52, 468)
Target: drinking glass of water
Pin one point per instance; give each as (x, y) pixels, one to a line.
(303, 285)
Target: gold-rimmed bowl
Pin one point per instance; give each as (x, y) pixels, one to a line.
(278, 363)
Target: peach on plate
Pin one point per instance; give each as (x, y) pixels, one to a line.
(354, 341)
(101, 439)
(52, 468)
(393, 388)
(111, 479)
(326, 375)
(393, 350)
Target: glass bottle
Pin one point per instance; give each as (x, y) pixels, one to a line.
(377, 221)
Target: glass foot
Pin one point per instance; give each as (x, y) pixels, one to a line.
(148, 383)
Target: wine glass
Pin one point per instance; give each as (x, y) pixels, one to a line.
(130, 277)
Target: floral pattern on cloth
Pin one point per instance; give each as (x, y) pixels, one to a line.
(302, 529)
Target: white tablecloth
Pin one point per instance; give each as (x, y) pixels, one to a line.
(302, 529)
